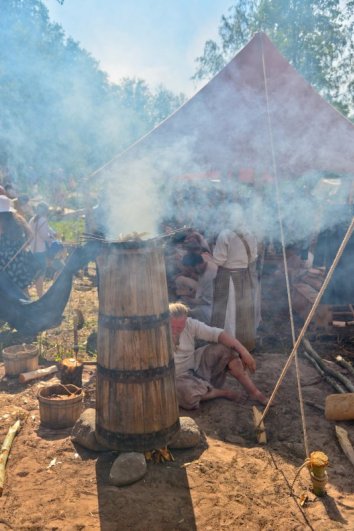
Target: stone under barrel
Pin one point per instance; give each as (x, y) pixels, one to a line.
(136, 403)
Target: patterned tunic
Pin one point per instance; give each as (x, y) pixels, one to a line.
(20, 266)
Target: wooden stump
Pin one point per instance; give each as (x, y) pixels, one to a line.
(71, 372)
(340, 407)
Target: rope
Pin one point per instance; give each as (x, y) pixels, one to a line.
(309, 317)
(305, 463)
(280, 219)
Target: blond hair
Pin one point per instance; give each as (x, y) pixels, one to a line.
(177, 309)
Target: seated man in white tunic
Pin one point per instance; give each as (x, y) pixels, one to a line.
(201, 373)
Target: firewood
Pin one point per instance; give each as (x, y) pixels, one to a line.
(314, 405)
(345, 364)
(325, 376)
(345, 444)
(343, 379)
(342, 324)
(25, 377)
(5, 450)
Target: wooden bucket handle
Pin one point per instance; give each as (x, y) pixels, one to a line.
(76, 392)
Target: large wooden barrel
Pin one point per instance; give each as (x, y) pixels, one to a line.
(136, 404)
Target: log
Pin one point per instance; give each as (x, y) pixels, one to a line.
(340, 407)
(339, 324)
(345, 444)
(5, 450)
(343, 379)
(342, 324)
(25, 377)
(325, 376)
(314, 405)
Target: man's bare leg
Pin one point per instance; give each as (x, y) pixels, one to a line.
(222, 393)
(237, 370)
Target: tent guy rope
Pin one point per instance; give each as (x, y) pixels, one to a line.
(280, 219)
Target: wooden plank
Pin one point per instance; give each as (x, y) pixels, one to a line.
(343, 439)
(261, 433)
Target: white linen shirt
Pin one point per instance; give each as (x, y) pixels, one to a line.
(42, 234)
(230, 251)
(184, 351)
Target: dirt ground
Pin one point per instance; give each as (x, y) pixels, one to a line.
(227, 482)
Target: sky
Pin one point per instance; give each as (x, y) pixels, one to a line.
(156, 40)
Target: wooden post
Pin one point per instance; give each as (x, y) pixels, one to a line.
(318, 463)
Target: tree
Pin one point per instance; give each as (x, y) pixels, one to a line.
(59, 114)
(316, 36)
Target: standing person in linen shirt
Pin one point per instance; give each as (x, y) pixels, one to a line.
(200, 306)
(201, 372)
(43, 234)
(234, 310)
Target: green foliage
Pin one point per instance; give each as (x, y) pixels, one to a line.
(315, 36)
(69, 230)
(59, 114)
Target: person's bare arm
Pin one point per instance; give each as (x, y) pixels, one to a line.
(231, 342)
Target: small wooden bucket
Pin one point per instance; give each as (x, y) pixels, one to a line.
(56, 412)
(20, 358)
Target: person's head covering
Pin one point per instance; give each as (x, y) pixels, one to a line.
(42, 209)
(6, 204)
(10, 191)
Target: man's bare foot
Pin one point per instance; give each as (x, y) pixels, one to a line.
(233, 395)
(259, 397)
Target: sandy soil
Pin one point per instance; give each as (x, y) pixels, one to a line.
(227, 482)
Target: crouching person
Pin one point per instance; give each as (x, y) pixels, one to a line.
(201, 372)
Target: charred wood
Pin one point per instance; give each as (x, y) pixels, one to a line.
(339, 388)
(341, 361)
(331, 372)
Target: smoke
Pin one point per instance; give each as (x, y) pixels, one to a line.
(211, 165)
(215, 163)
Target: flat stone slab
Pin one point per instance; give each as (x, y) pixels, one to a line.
(188, 436)
(127, 469)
